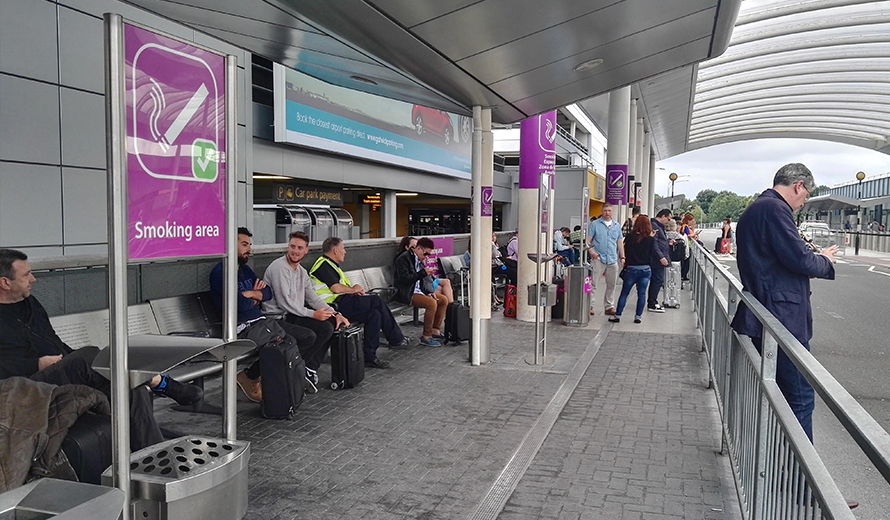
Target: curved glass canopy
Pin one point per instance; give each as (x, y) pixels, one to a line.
(816, 69)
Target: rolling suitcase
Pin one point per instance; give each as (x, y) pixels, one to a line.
(347, 357)
(283, 376)
(672, 286)
(458, 326)
(510, 302)
(88, 447)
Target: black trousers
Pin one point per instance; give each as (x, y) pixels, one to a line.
(655, 285)
(76, 369)
(684, 268)
(312, 337)
(376, 316)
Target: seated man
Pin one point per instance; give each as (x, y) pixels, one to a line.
(252, 292)
(30, 347)
(332, 285)
(562, 247)
(409, 270)
(309, 318)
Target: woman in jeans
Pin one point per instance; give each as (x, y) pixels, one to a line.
(638, 252)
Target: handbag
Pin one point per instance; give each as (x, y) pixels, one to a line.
(623, 273)
(428, 284)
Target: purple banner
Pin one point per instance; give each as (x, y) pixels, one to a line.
(176, 147)
(443, 246)
(616, 184)
(537, 149)
(487, 206)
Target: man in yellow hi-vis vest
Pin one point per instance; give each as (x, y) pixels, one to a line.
(332, 285)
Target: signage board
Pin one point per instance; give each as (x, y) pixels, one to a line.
(616, 184)
(300, 194)
(176, 146)
(442, 246)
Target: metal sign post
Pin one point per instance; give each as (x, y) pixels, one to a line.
(170, 130)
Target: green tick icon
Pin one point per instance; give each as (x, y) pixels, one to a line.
(204, 159)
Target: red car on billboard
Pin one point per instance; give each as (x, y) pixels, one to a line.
(433, 121)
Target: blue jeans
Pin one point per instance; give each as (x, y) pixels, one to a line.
(794, 386)
(568, 254)
(635, 275)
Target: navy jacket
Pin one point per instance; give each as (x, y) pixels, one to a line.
(661, 249)
(776, 267)
(248, 309)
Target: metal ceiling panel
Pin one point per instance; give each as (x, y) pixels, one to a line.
(417, 12)
(206, 11)
(614, 42)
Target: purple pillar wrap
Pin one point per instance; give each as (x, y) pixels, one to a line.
(537, 149)
(616, 184)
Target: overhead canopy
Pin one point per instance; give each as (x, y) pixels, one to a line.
(517, 57)
(829, 203)
(794, 68)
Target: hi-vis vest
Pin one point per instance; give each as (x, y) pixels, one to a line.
(322, 288)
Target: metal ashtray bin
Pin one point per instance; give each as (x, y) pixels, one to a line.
(61, 500)
(189, 478)
(548, 295)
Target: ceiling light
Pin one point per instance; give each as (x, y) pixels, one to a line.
(361, 79)
(587, 65)
(406, 194)
(272, 177)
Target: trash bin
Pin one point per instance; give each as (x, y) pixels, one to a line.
(548, 294)
(189, 478)
(63, 500)
(577, 296)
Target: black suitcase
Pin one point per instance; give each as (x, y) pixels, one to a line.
(283, 374)
(88, 447)
(347, 357)
(558, 310)
(458, 325)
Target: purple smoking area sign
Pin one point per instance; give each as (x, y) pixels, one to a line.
(176, 146)
(487, 206)
(616, 184)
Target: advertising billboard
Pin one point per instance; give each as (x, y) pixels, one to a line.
(315, 114)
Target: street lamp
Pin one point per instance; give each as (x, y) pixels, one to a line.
(673, 177)
(860, 177)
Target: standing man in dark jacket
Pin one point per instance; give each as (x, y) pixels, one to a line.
(776, 266)
(661, 258)
(409, 271)
(30, 347)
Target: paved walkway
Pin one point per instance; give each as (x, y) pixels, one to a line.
(617, 425)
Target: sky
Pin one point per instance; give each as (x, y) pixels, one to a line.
(747, 167)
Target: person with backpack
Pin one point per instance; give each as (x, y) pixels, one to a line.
(639, 248)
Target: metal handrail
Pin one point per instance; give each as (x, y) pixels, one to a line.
(777, 471)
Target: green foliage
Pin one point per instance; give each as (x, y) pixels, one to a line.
(727, 204)
(820, 190)
(704, 199)
(689, 206)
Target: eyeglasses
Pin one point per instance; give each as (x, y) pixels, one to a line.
(809, 190)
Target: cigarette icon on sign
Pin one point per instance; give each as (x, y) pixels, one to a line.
(185, 115)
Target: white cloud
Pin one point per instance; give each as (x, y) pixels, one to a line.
(747, 167)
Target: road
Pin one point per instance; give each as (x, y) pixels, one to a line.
(851, 339)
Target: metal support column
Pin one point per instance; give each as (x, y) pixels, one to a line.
(617, 151)
(116, 156)
(390, 206)
(480, 237)
(230, 271)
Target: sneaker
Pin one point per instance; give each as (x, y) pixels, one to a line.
(657, 308)
(609, 312)
(377, 363)
(615, 319)
(402, 345)
(312, 375)
(439, 337)
(309, 387)
(184, 395)
(638, 320)
(430, 342)
(250, 387)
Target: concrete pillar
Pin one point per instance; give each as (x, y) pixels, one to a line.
(632, 173)
(617, 151)
(480, 236)
(652, 181)
(537, 155)
(640, 174)
(388, 219)
(644, 160)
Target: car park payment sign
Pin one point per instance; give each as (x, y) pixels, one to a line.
(176, 147)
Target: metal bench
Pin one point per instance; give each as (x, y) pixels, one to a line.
(380, 282)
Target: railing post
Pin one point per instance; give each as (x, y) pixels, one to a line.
(769, 352)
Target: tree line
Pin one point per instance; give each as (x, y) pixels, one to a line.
(713, 206)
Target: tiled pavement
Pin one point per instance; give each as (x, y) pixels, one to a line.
(637, 438)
